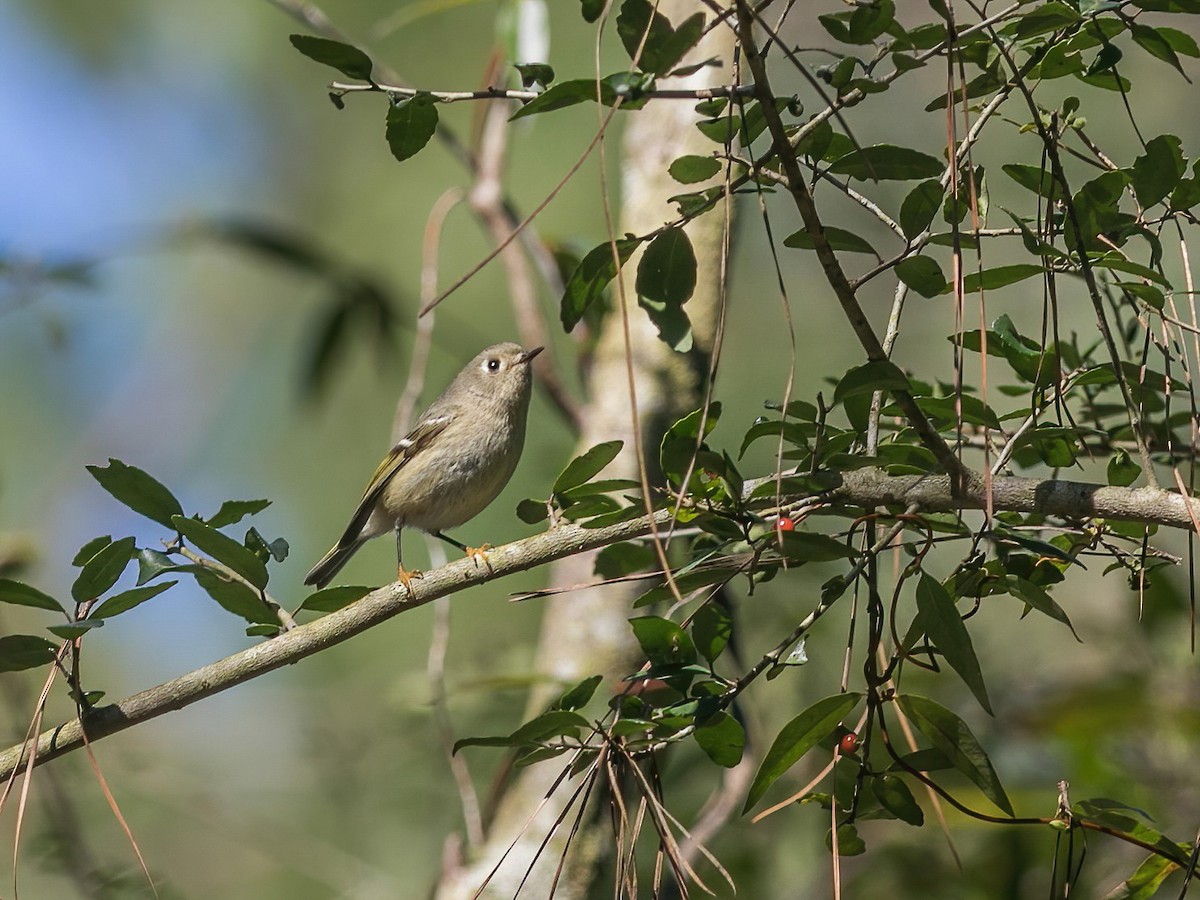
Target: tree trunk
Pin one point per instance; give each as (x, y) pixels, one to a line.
(586, 631)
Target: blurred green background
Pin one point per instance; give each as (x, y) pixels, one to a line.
(129, 125)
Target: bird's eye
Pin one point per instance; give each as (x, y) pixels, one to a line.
(493, 365)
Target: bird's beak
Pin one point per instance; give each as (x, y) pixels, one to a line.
(530, 354)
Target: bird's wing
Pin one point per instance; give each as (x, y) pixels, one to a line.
(406, 448)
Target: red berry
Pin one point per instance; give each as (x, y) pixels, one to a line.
(849, 743)
(783, 523)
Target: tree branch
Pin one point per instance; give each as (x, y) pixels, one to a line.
(868, 488)
(494, 93)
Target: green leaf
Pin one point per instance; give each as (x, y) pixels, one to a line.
(1158, 170)
(878, 375)
(849, 843)
(127, 600)
(950, 735)
(1128, 820)
(624, 558)
(591, 277)
(90, 549)
(682, 439)
(592, 9)
(579, 695)
(1154, 43)
(223, 549)
(562, 95)
(23, 595)
(74, 630)
(1145, 881)
(1039, 598)
(587, 466)
(941, 622)
(671, 322)
(712, 627)
(639, 25)
(556, 723)
(694, 169)
(1032, 178)
(350, 61)
(235, 597)
(838, 238)
(24, 651)
(663, 641)
(1180, 41)
(152, 563)
(410, 125)
(945, 411)
(922, 274)
(138, 491)
(1122, 471)
(334, 598)
(722, 738)
(886, 162)
(667, 270)
(871, 20)
(894, 796)
(532, 511)
(1047, 17)
(808, 546)
(798, 737)
(1001, 276)
(233, 511)
(1097, 208)
(534, 73)
(102, 571)
(919, 207)
(264, 549)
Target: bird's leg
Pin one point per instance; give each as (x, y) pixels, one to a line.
(476, 553)
(403, 575)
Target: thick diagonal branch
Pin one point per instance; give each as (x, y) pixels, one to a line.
(868, 488)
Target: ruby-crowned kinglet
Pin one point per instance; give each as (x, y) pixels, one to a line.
(458, 457)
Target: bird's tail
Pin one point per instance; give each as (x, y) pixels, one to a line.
(331, 563)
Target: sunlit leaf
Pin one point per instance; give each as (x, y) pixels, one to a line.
(587, 466)
(334, 598)
(137, 490)
(102, 571)
(127, 600)
(223, 549)
(233, 511)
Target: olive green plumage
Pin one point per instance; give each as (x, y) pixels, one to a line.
(457, 458)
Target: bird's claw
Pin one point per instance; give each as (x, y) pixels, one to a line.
(406, 576)
(480, 554)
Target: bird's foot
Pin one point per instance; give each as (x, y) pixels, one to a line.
(480, 554)
(406, 576)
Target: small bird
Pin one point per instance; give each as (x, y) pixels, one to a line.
(459, 456)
